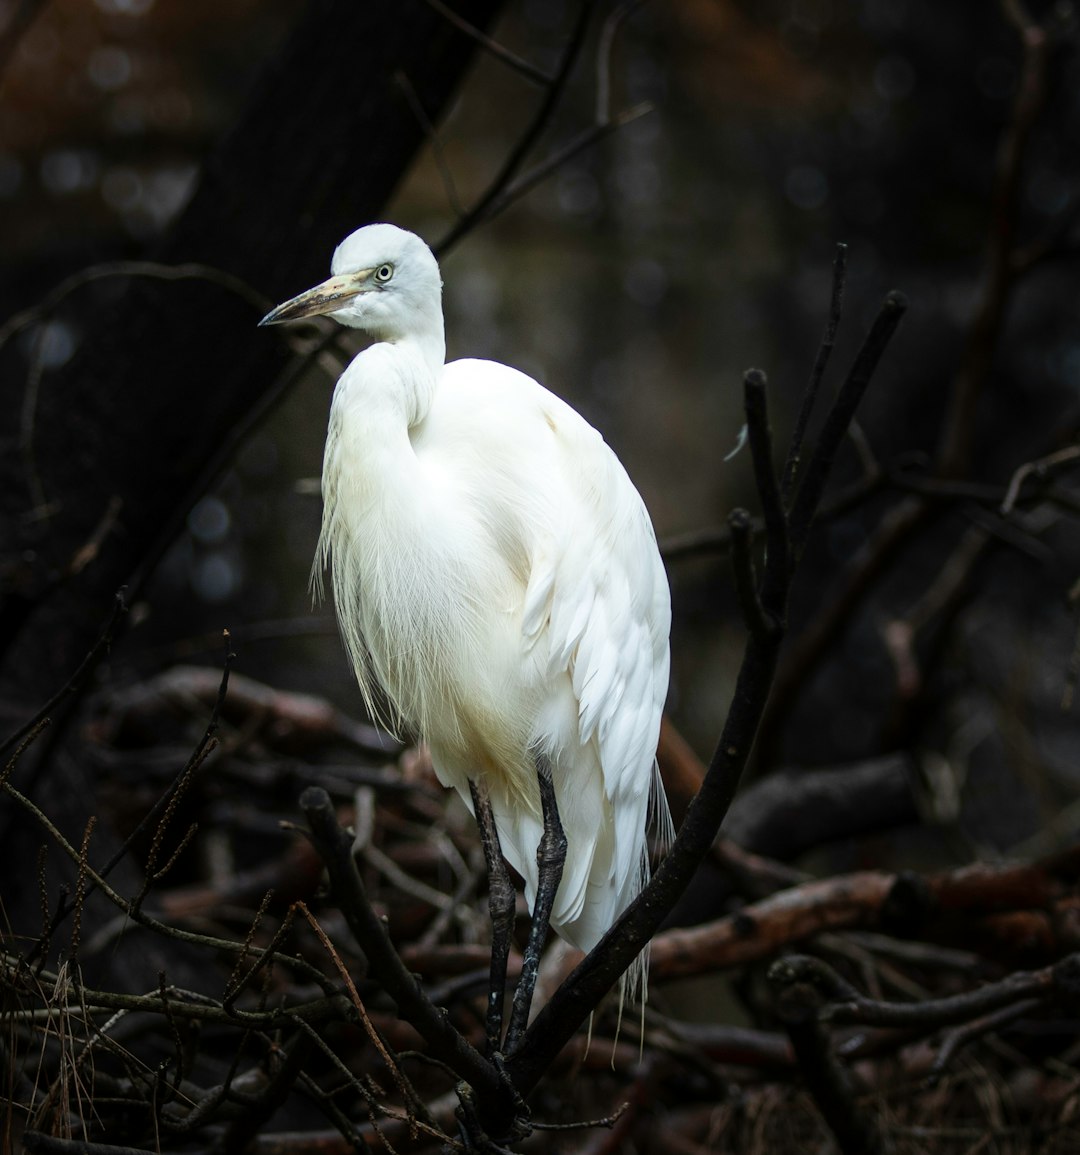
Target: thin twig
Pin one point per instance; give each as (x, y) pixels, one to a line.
(528, 139)
(163, 806)
(962, 1036)
(1040, 469)
(74, 683)
(604, 48)
(432, 134)
(490, 45)
(230, 946)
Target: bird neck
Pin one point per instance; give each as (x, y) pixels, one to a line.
(388, 389)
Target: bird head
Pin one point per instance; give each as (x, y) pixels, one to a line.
(383, 280)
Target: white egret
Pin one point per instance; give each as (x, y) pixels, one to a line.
(496, 574)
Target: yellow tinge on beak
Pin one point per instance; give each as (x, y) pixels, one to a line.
(324, 298)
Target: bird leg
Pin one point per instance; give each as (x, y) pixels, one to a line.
(501, 908)
(550, 856)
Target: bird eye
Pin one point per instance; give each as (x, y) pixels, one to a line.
(383, 273)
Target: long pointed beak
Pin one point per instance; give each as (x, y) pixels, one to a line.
(324, 298)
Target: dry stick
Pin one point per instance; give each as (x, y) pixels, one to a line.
(705, 542)
(408, 1092)
(603, 57)
(325, 1097)
(844, 1004)
(237, 981)
(189, 1005)
(438, 153)
(593, 977)
(497, 1098)
(587, 137)
(1040, 469)
(961, 1036)
(141, 917)
(161, 808)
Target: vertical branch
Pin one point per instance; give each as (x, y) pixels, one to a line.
(777, 568)
(821, 362)
(810, 491)
(758, 621)
(799, 1003)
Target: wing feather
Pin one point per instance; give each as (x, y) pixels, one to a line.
(594, 619)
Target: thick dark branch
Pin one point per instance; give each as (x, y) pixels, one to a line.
(591, 980)
(810, 491)
(798, 1004)
(251, 1119)
(844, 1005)
(758, 621)
(777, 568)
(821, 362)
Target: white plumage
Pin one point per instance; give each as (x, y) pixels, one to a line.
(495, 572)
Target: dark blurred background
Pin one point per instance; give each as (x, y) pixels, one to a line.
(638, 281)
(924, 713)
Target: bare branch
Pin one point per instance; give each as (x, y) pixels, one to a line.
(483, 208)
(798, 1004)
(821, 362)
(811, 488)
(490, 45)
